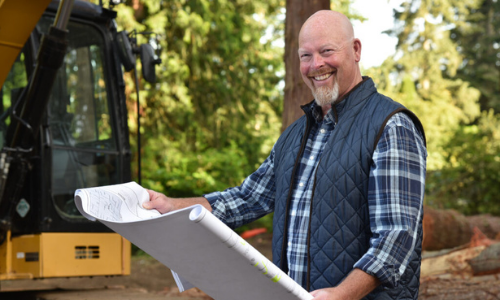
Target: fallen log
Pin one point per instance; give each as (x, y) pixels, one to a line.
(488, 224)
(481, 256)
(446, 229)
(453, 264)
(487, 262)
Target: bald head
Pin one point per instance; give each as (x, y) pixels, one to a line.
(328, 22)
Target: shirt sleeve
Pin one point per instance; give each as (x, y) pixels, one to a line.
(251, 200)
(395, 200)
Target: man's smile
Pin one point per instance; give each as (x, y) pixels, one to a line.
(322, 77)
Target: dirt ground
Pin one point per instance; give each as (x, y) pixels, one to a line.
(150, 280)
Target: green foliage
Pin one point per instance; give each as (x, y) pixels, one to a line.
(180, 172)
(214, 113)
(448, 61)
(469, 181)
(479, 42)
(16, 80)
(423, 73)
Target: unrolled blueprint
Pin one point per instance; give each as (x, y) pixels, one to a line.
(202, 250)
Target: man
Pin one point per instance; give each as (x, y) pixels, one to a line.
(345, 181)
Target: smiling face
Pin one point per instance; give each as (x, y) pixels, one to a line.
(329, 56)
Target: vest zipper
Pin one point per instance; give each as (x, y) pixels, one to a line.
(308, 274)
(284, 266)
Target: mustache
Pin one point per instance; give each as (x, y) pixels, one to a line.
(319, 72)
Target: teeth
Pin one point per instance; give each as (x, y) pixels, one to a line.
(322, 77)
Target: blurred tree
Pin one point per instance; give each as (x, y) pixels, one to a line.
(213, 114)
(422, 75)
(479, 42)
(469, 182)
(447, 59)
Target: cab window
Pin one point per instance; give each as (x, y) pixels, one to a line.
(80, 120)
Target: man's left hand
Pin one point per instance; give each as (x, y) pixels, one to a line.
(355, 286)
(326, 294)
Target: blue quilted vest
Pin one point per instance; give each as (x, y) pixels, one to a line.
(339, 229)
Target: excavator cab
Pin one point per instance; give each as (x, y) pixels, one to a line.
(83, 141)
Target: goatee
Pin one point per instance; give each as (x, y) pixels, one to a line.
(325, 95)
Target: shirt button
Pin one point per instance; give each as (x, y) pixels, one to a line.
(311, 158)
(301, 184)
(322, 130)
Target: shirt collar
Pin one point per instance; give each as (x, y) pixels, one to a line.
(317, 113)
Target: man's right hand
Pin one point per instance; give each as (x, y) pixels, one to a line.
(165, 204)
(159, 201)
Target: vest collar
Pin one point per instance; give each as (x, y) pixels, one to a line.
(354, 97)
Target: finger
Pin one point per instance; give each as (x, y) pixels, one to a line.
(147, 205)
(152, 196)
(317, 294)
(158, 201)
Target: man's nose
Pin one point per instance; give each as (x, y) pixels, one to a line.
(318, 61)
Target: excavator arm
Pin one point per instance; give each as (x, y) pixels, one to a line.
(17, 20)
(34, 99)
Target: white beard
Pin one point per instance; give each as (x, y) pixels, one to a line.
(325, 95)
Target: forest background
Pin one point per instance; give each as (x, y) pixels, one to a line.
(218, 103)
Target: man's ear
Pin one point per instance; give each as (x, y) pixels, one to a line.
(357, 49)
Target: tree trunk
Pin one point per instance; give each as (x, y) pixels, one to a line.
(296, 92)
(445, 229)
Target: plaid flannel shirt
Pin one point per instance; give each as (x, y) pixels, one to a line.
(395, 196)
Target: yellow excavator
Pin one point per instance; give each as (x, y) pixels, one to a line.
(63, 126)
